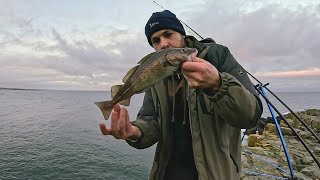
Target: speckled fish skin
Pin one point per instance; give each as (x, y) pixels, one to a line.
(151, 69)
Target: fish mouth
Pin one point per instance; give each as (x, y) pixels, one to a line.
(192, 53)
(181, 55)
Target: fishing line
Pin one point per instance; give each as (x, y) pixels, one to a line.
(293, 113)
(271, 108)
(181, 22)
(292, 129)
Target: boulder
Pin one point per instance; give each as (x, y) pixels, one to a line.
(286, 131)
(271, 128)
(268, 151)
(253, 139)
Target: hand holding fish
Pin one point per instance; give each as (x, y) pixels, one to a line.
(201, 74)
(121, 128)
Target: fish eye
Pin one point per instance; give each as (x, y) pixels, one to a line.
(183, 50)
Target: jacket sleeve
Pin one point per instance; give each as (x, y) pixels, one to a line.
(147, 122)
(237, 101)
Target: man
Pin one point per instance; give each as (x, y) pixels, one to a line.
(195, 117)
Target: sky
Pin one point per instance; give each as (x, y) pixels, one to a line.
(90, 45)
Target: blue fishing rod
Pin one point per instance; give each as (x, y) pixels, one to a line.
(284, 145)
(293, 113)
(260, 90)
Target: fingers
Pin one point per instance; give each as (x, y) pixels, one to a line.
(201, 74)
(115, 124)
(117, 108)
(194, 66)
(128, 125)
(192, 75)
(104, 130)
(197, 59)
(120, 124)
(195, 75)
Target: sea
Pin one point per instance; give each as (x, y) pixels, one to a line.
(49, 134)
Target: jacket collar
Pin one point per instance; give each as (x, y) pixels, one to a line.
(192, 42)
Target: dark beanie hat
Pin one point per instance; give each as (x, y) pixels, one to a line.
(162, 20)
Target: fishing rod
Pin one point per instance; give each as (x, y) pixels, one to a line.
(270, 105)
(292, 129)
(295, 115)
(263, 93)
(182, 22)
(312, 132)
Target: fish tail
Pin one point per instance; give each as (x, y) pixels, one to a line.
(105, 107)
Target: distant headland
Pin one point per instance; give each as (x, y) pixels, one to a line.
(19, 89)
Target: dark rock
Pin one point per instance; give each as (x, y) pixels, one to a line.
(271, 128)
(311, 171)
(286, 131)
(305, 160)
(313, 112)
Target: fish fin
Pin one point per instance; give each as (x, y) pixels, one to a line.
(105, 107)
(130, 73)
(125, 102)
(115, 89)
(145, 58)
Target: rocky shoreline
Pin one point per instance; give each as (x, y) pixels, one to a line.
(264, 153)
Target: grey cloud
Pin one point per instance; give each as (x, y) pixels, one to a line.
(270, 38)
(273, 37)
(80, 62)
(18, 29)
(8, 38)
(86, 57)
(23, 23)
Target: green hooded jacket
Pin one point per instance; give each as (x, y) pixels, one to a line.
(215, 119)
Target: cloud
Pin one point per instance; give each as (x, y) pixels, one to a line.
(314, 72)
(64, 62)
(84, 57)
(277, 42)
(265, 38)
(22, 23)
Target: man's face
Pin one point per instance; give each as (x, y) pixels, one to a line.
(167, 38)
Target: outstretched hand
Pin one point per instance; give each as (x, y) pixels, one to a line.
(121, 128)
(201, 74)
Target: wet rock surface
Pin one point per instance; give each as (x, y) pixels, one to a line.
(263, 156)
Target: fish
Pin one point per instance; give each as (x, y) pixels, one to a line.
(151, 69)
